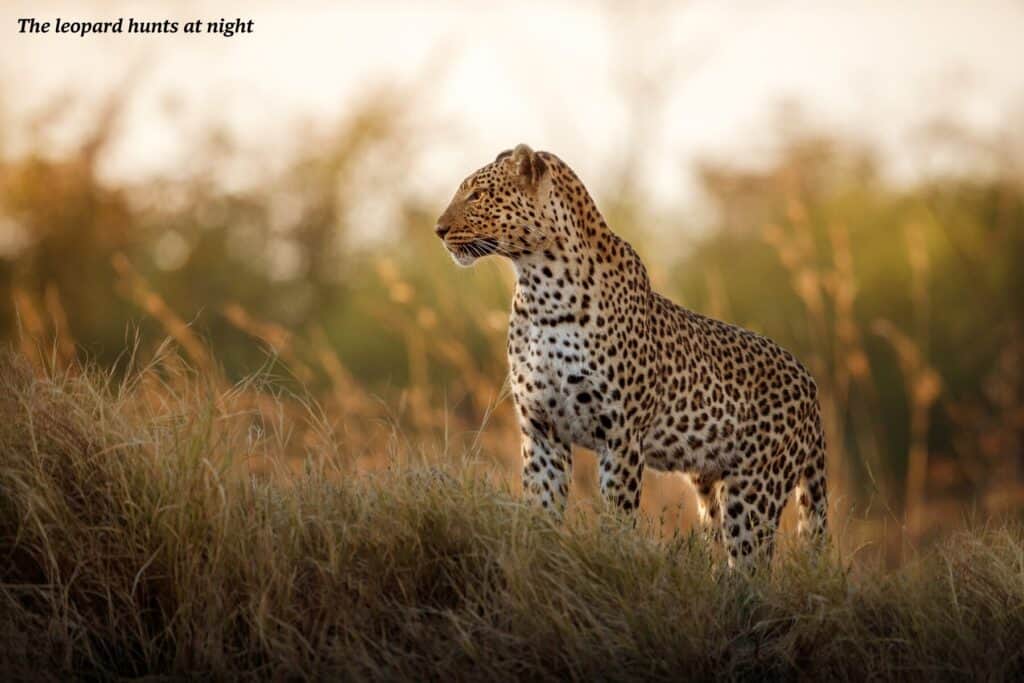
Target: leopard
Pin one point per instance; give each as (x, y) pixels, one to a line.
(599, 360)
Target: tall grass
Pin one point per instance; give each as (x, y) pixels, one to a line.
(135, 540)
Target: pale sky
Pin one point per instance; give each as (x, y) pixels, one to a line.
(558, 75)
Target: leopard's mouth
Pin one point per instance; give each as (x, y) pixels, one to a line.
(468, 252)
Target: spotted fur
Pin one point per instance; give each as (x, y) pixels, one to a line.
(600, 360)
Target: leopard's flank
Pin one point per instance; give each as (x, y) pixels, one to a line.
(598, 359)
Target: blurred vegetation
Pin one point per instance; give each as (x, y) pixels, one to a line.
(905, 300)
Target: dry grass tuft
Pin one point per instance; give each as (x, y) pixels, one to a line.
(134, 542)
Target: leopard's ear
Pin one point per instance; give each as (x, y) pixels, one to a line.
(531, 167)
(502, 155)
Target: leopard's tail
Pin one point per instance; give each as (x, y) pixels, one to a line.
(811, 488)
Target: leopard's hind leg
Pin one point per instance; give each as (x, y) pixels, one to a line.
(751, 508)
(709, 508)
(811, 489)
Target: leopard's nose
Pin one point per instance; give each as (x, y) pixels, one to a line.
(441, 230)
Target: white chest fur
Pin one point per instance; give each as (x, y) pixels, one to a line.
(553, 376)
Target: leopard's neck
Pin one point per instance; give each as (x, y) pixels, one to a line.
(584, 264)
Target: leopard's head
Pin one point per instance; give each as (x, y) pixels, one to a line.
(500, 209)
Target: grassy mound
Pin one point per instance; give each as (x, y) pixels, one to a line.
(131, 544)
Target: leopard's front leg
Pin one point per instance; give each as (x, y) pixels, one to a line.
(547, 465)
(621, 464)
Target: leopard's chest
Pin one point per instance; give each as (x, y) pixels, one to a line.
(555, 376)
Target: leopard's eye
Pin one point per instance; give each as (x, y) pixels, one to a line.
(473, 196)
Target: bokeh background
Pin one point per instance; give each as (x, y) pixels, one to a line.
(845, 177)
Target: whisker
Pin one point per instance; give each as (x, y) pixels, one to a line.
(493, 244)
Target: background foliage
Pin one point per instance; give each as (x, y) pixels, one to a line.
(904, 300)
